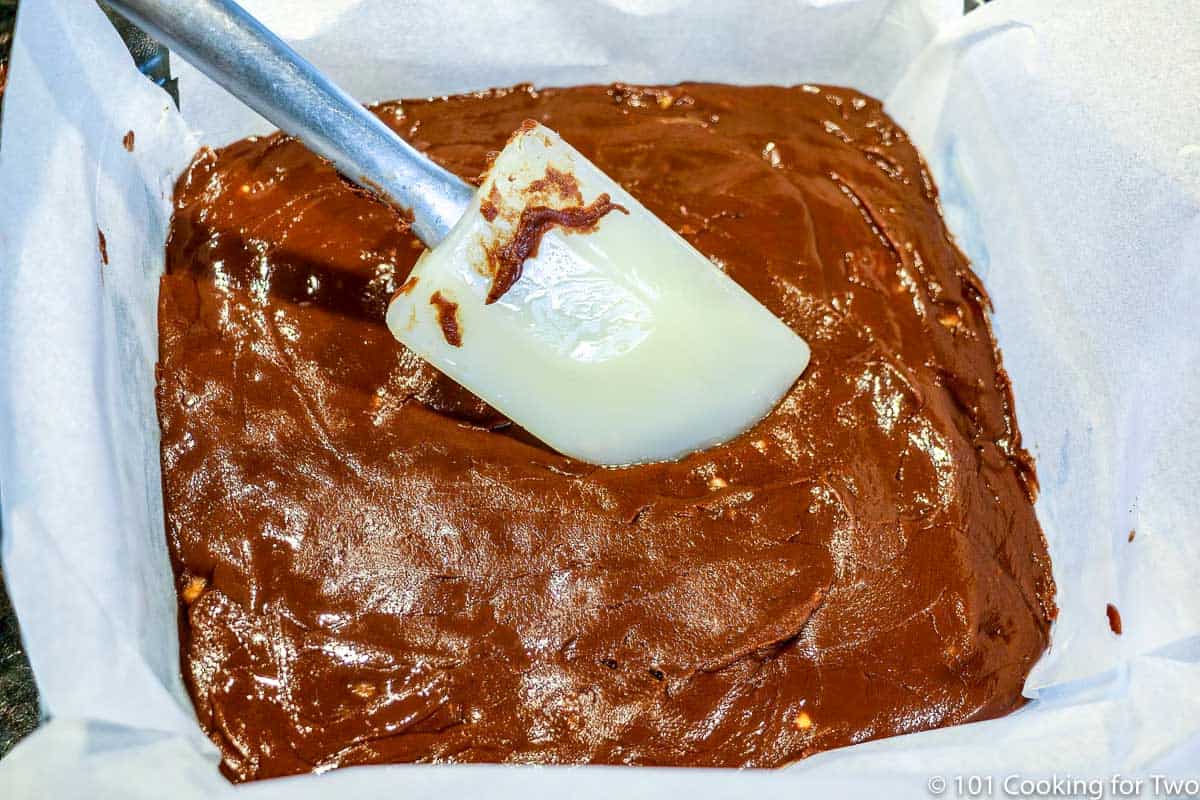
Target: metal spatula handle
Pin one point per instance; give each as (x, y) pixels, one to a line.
(228, 45)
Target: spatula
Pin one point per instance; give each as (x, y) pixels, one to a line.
(549, 292)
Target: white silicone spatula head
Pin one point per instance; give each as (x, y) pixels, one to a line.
(550, 292)
(564, 303)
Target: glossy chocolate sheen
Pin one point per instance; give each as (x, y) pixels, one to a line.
(374, 566)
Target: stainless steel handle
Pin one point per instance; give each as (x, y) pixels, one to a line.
(228, 45)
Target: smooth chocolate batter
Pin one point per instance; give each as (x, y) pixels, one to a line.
(374, 566)
(447, 314)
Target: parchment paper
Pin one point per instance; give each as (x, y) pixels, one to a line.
(1065, 138)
